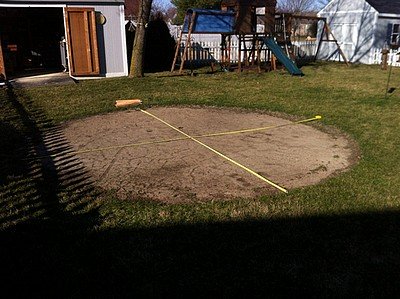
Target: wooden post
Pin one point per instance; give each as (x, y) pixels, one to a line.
(384, 63)
(229, 51)
(223, 49)
(240, 55)
(2, 68)
(245, 54)
(258, 55)
(177, 50)
(253, 50)
(273, 62)
(269, 19)
(320, 40)
(187, 44)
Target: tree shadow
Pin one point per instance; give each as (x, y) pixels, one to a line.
(328, 256)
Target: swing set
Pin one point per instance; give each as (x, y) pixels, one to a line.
(255, 49)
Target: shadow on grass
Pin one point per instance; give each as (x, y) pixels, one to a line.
(355, 255)
(40, 178)
(50, 247)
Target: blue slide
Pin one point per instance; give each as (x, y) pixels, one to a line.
(281, 56)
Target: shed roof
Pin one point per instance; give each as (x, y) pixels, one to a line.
(386, 6)
(61, 1)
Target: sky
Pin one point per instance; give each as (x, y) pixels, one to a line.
(167, 3)
(163, 2)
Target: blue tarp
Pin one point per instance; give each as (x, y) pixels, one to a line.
(210, 21)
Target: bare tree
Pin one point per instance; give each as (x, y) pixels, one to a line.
(159, 8)
(296, 6)
(140, 38)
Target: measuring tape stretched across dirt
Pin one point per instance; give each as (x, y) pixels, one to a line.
(219, 153)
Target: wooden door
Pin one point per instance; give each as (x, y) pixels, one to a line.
(2, 68)
(82, 41)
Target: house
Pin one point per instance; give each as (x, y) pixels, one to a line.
(361, 26)
(84, 37)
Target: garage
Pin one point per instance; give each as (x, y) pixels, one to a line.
(29, 44)
(83, 38)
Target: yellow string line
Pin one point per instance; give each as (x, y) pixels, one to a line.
(218, 153)
(259, 129)
(317, 117)
(197, 136)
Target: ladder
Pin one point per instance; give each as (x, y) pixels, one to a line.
(183, 56)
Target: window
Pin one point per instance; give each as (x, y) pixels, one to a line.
(394, 37)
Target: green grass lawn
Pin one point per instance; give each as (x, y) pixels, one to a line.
(338, 238)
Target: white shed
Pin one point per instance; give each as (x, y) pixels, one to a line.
(361, 27)
(85, 37)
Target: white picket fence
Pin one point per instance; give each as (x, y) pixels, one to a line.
(305, 49)
(206, 48)
(206, 51)
(393, 57)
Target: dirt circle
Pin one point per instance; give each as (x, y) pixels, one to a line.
(182, 170)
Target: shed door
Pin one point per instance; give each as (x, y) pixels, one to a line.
(346, 35)
(2, 68)
(82, 41)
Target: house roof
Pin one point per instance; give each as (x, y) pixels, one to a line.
(386, 6)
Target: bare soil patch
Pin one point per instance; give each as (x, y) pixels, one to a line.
(180, 171)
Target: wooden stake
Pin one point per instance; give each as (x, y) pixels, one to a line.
(273, 62)
(124, 103)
